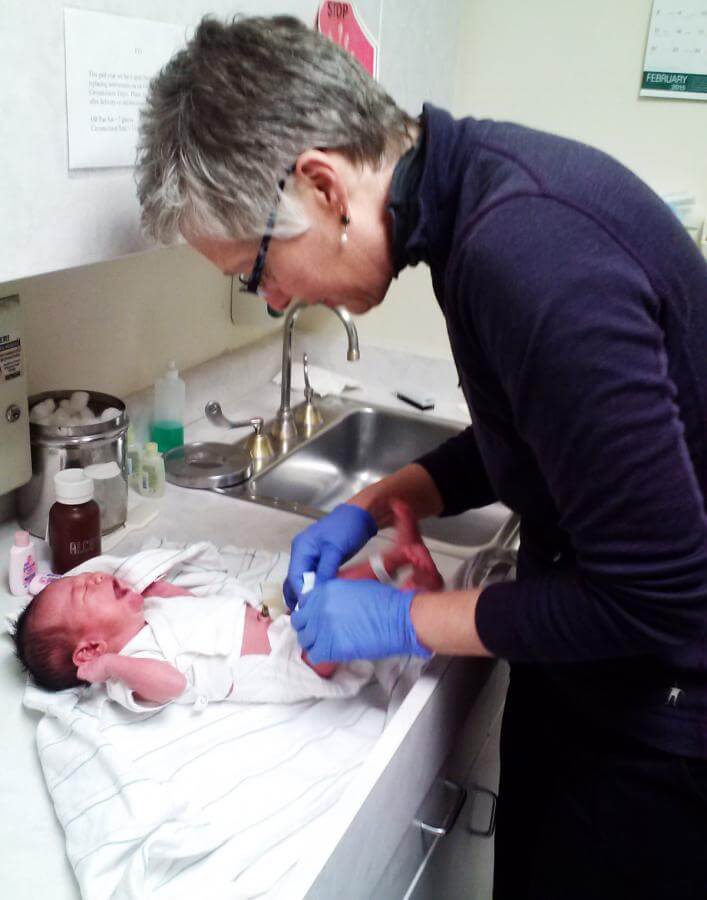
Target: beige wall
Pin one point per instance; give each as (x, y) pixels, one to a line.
(409, 317)
(113, 326)
(567, 67)
(573, 69)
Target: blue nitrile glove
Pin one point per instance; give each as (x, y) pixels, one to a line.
(342, 620)
(325, 545)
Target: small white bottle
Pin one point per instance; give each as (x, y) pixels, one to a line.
(152, 478)
(23, 564)
(133, 458)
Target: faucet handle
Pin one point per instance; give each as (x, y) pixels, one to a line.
(259, 445)
(309, 416)
(308, 392)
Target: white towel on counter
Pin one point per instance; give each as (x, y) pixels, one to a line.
(222, 802)
(322, 380)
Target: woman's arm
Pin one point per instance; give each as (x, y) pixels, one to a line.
(412, 483)
(445, 622)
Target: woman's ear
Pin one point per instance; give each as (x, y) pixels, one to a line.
(321, 172)
(87, 650)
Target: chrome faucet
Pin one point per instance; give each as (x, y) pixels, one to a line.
(284, 428)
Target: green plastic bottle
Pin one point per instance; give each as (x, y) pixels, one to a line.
(167, 427)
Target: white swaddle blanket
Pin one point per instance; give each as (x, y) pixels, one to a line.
(221, 802)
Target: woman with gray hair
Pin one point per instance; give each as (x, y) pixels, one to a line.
(579, 342)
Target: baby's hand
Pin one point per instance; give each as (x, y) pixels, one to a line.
(95, 670)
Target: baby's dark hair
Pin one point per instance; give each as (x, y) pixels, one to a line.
(46, 653)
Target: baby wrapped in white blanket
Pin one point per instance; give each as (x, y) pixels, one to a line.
(223, 799)
(218, 640)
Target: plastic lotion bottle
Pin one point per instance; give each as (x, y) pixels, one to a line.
(133, 458)
(23, 566)
(74, 521)
(167, 429)
(152, 484)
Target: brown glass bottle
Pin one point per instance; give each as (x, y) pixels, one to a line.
(74, 521)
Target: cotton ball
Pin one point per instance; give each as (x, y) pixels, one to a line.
(79, 400)
(43, 409)
(110, 413)
(37, 415)
(61, 417)
(64, 404)
(86, 417)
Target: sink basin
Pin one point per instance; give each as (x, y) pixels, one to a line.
(360, 444)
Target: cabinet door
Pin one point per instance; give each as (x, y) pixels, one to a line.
(459, 863)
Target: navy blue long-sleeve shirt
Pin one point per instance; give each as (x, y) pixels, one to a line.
(576, 307)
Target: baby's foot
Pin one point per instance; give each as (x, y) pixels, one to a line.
(406, 530)
(425, 574)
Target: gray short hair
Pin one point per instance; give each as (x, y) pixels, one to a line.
(230, 113)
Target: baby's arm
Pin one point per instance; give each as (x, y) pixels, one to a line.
(149, 679)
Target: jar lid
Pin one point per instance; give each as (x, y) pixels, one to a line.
(207, 464)
(73, 486)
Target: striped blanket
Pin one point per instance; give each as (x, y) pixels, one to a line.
(218, 803)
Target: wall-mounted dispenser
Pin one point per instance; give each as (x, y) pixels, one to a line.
(15, 459)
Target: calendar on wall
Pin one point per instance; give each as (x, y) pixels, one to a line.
(676, 52)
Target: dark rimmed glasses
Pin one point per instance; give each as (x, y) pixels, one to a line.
(250, 284)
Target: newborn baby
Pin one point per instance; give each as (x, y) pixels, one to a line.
(163, 644)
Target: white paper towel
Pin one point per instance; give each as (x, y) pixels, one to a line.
(322, 380)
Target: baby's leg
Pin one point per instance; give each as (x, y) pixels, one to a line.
(409, 550)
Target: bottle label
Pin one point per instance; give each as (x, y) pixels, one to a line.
(78, 548)
(29, 570)
(149, 481)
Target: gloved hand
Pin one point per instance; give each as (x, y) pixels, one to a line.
(341, 620)
(325, 545)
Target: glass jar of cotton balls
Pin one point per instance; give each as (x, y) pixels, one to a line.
(75, 429)
(70, 411)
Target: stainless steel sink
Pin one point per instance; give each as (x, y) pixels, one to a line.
(357, 445)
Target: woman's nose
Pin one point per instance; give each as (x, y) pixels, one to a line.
(276, 298)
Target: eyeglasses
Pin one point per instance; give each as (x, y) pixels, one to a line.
(250, 284)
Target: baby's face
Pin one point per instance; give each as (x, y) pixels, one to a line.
(98, 606)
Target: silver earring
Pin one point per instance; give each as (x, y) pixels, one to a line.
(345, 221)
